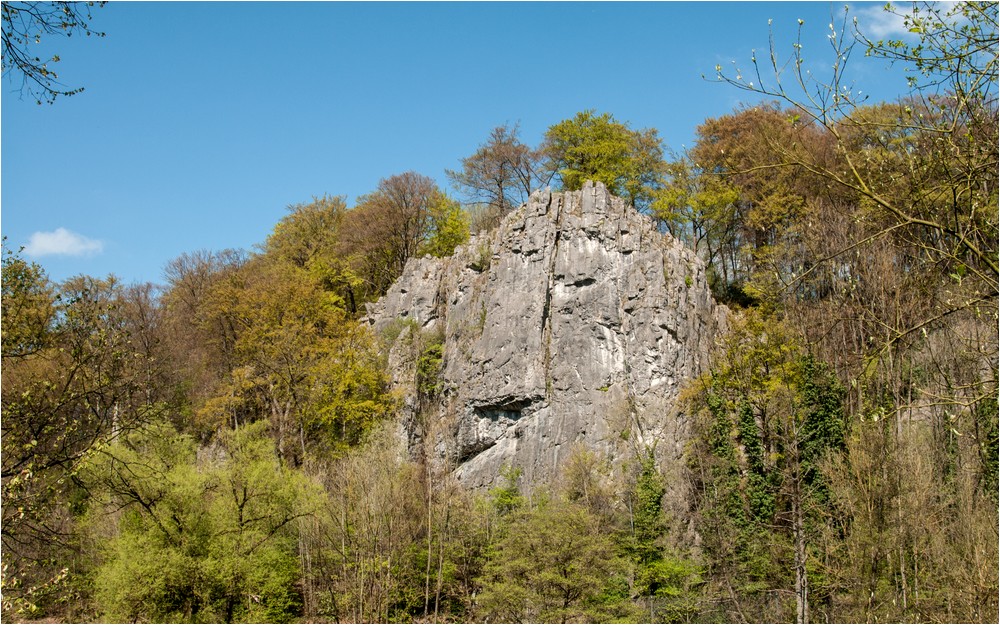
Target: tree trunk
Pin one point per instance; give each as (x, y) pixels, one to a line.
(801, 579)
(430, 523)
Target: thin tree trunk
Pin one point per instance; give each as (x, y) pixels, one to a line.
(430, 521)
(801, 579)
(440, 579)
(798, 530)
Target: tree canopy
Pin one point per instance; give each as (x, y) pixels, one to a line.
(597, 147)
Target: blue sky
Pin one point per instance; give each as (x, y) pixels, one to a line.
(201, 122)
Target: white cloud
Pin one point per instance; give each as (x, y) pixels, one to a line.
(877, 23)
(62, 242)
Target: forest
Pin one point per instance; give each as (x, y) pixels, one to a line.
(223, 447)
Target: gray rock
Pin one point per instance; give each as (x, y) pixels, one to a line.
(575, 321)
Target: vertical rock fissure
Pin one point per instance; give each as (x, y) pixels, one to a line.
(628, 382)
(550, 281)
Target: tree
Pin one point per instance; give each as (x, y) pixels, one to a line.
(309, 238)
(768, 416)
(370, 527)
(550, 566)
(599, 148)
(73, 380)
(746, 212)
(29, 307)
(24, 24)
(196, 541)
(703, 210)
(897, 288)
(298, 361)
(502, 173)
(308, 233)
(449, 228)
(948, 218)
(662, 578)
(197, 345)
(387, 228)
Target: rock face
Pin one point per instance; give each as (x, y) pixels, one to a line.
(575, 321)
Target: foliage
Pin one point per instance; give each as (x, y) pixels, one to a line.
(223, 449)
(309, 238)
(550, 566)
(507, 496)
(599, 148)
(196, 540)
(361, 545)
(768, 414)
(449, 228)
(296, 360)
(935, 209)
(663, 579)
(29, 307)
(388, 227)
(871, 229)
(429, 365)
(73, 378)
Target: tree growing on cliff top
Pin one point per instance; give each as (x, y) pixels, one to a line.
(598, 147)
(941, 141)
(502, 172)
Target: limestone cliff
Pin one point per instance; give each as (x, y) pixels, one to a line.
(575, 321)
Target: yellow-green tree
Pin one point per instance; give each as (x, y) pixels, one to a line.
(300, 362)
(310, 238)
(551, 565)
(597, 147)
(73, 379)
(767, 416)
(449, 228)
(189, 539)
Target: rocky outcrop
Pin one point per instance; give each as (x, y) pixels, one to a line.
(575, 321)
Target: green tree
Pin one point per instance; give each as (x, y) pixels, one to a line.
(29, 307)
(599, 148)
(73, 379)
(506, 496)
(769, 414)
(449, 228)
(309, 238)
(196, 540)
(550, 566)
(703, 210)
(664, 580)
